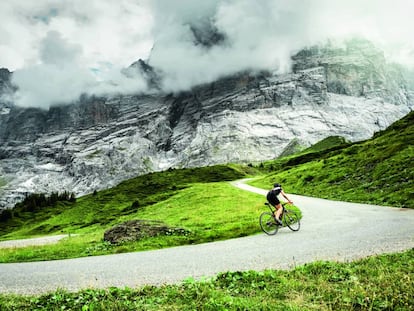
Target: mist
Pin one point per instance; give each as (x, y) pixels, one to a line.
(59, 50)
(264, 35)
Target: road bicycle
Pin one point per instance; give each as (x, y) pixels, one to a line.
(288, 218)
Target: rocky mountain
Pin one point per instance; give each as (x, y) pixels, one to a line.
(350, 91)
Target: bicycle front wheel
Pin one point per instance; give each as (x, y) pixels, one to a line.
(268, 223)
(291, 220)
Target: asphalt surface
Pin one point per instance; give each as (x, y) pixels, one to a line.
(330, 230)
(32, 242)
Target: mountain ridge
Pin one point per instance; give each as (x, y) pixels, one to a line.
(98, 142)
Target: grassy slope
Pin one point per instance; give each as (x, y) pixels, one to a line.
(379, 170)
(108, 206)
(193, 199)
(214, 211)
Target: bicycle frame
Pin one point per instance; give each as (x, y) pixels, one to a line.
(273, 209)
(287, 217)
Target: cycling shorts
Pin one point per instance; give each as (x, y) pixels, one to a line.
(272, 198)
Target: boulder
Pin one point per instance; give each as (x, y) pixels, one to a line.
(134, 230)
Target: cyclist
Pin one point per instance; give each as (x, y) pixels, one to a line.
(272, 197)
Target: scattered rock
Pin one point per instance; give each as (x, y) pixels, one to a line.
(134, 230)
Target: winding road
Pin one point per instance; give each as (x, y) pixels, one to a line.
(330, 230)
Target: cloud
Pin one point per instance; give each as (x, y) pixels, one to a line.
(62, 76)
(60, 49)
(116, 31)
(57, 51)
(58, 78)
(257, 36)
(264, 35)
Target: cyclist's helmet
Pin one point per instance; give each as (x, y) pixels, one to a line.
(276, 185)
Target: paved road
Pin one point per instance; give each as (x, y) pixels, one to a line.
(34, 241)
(330, 231)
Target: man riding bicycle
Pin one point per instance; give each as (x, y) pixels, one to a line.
(272, 197)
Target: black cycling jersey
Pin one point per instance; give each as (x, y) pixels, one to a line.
(272, 195)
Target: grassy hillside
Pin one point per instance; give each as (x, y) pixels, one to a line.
(379, 170)
(329, 143)
(198, 200)
(106, 207)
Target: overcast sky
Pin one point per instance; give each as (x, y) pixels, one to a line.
(59, 49)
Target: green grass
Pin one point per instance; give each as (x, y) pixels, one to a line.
(192, 199)
(382, 282)
(105, 208)
(329, 143)
(212, 211)
(379, 170)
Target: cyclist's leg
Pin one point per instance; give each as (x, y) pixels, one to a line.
(279, 210)
(274, 201)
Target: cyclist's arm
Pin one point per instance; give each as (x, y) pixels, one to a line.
(285, 196)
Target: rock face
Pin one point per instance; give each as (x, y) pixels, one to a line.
(249, 117)
(357, 70)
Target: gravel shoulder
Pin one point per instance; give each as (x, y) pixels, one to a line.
(330, 230)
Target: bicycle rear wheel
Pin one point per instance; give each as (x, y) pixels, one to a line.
(268, 223)
(291, 220)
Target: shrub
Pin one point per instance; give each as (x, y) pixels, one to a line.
(308, 178)
(5, 215)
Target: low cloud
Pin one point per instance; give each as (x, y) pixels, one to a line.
(58, 78)
(256, 37)
(62, 76)
(61, 49)
(264, 35)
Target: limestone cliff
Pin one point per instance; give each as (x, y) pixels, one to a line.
(98, 142)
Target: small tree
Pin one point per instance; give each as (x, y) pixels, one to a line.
(135, 204)
(5, 215)
(72, 197)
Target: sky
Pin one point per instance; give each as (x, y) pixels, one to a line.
(60, 49)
